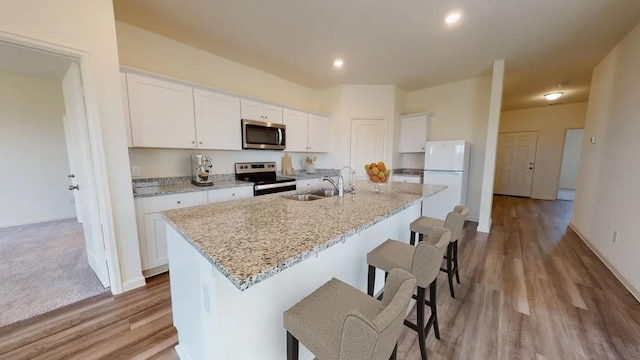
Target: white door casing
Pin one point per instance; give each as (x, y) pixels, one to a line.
(80, 153)
(515, 163)
(367, 144)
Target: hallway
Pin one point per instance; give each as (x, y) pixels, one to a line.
(530, 290)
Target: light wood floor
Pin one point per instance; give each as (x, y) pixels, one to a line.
(530, 290)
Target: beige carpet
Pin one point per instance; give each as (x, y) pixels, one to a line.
(43, 267)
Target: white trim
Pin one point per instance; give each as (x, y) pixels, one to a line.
(483, 229)
(606, 262)
(181, 354)
(543, 197)
(133, 284)
(95, 139)
(38, 221)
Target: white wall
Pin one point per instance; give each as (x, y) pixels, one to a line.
(171, 162)
(145, 50)
(89, 26)
(571, 158)
(33, 152)
(461, 111)
(551, 123)
(346, 102)
(607, 191)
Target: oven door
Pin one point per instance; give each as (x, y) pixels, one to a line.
(273, 188)
(263, 135)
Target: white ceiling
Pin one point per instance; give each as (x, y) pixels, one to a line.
(544, 42)
(27, 62)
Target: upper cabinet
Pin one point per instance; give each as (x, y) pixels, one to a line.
(255, 110)
(217, 120)
(161, 113)
(413, 133)
(306, 132)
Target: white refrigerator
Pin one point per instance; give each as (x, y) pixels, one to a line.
(446, 163)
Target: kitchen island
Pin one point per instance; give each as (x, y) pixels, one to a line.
(236, 266)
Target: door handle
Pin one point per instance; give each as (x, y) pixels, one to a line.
(74, 187)
(70, 176)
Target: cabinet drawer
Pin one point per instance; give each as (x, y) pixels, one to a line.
(236, 193)
(176, 201)
(408, 179)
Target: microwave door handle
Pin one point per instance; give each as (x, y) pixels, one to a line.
(279, 139)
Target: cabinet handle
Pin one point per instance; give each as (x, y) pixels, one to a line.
(179, 201)
(193, 142)
(200, 142)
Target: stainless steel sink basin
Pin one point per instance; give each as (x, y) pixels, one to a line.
(304, 197)
(324, 192)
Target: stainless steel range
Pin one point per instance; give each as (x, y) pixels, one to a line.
(263, 174)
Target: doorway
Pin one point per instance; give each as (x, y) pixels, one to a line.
(515, 163)
(570, 160)
(367, 144)
(48, 259)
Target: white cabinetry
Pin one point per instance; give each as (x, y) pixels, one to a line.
(306, 132)
(217, 120)
(255, 110)
(407, 179)
(161, 113)
(413, 133)
(151, 225)
(308, 183)
(236, 193)
(125, 105)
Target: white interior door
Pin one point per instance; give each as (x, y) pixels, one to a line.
(367, 144)
(72, 148)
(515, 163)
(81, 165)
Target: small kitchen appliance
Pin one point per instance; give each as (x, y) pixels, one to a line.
(201, 170)
(263, 175)
(263, 135)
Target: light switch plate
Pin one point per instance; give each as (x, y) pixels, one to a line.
(592, 140)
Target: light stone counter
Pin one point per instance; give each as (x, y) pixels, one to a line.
(253, 239)
(178, 185)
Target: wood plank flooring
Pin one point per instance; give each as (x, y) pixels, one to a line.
(531, 289)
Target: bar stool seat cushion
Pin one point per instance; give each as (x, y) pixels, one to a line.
(317, 320)
(391, 254)
(423, 224)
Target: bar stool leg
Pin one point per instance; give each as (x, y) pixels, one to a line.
(421, 326)
(434, 308)
(412, 240)
(455, 260)
(371, 280)
(394, 354)
(450, 268)
(292, 347)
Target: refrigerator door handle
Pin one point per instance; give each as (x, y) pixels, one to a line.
(445, 171)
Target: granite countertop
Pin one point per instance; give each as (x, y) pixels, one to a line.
(408, 172)
(178, 185)
(253, 239)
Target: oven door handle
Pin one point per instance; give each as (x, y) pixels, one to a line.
(273, 186)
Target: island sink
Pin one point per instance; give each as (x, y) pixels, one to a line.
(304, 197)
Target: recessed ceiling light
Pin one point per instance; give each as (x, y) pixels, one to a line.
(452, 17)
(338, 63)
(553, 96)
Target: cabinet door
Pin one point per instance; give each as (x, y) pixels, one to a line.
(413, 134)
(161, 113)
(273, 113)
(296, 133)
(125, 105)
(156, 237)
(236, 193)
(318, 133)
(217, 121)
(252, 110)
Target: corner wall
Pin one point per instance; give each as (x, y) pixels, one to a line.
(608, 191)
(551, 123)
(32, 133)
(461, 112)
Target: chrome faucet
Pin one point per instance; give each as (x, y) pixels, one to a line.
(339, 186)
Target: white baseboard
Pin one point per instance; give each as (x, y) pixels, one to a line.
(133, 284)
(37, 221)
(155, 271)
(543, 197)
(180, 353)
(606, 262)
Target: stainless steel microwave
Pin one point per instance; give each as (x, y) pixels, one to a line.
(263, 135)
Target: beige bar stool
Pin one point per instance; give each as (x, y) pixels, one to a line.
(423, 261)
(338, 322)
(454, 222)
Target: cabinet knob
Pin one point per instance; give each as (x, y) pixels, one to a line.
(193, 142)
(179, 201)
(200, 142)
(233, 194)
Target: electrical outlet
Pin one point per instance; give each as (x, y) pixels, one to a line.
(136, 171)
(615, 237)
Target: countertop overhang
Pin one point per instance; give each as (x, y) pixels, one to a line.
(253, 239)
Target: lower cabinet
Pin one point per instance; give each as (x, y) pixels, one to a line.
(308, 183)
(407, 179)
(151, 225)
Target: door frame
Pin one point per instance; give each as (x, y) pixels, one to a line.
(100, 174)
(564, 140)
(535, 157)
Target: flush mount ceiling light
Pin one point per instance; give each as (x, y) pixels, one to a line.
(338, 63)
(453, 17)
(553, 96)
